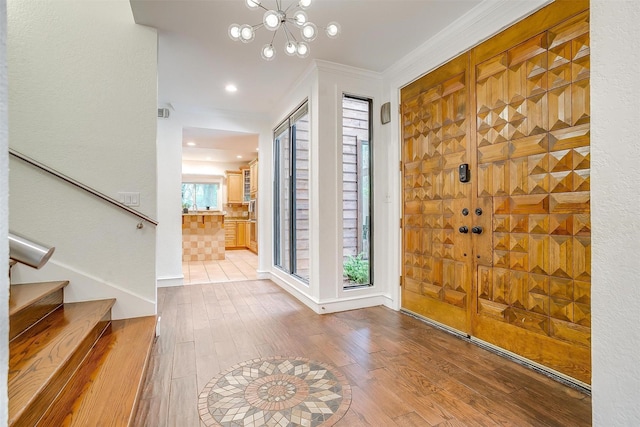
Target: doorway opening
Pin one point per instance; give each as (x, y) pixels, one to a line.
(219, 209)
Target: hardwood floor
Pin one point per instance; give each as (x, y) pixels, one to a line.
(402, 372)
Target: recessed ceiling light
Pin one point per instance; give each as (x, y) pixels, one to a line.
(257, 148)
(231, 88)
(191, 144)
(239, 157)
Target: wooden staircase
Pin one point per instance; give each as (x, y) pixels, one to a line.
(70, 364)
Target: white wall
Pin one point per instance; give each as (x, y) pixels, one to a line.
(324, 85)
(209, 168)
(83, 101)
(615, 203)
(334, 82)
(4, 215)
(169, 231)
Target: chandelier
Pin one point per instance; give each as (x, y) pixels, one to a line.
(293, 16)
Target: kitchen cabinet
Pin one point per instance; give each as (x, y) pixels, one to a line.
(241, 234)
(234, 187)
(237, 234)
(230, 240)
(253, 236)
(246, 185)
(253, 178)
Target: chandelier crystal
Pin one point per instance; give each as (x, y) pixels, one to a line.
(294, 16)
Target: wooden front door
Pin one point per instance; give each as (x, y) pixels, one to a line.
(522, 280)
(437, 258)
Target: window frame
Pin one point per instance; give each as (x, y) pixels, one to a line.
(359, 144)
(287, 126)
(217, 182)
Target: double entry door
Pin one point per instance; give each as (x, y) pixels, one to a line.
(496, 218)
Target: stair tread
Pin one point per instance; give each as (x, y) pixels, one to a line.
(117, 364)
(36, 356)
(23, 295)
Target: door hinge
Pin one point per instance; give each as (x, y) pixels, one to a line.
(400, 281)
(400, 222)
(400, 165)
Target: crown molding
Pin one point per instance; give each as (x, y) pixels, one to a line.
(479, 24)
(346, 70)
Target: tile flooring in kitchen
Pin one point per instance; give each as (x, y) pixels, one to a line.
(239, 265)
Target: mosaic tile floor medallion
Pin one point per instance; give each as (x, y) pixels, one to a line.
(275, 391)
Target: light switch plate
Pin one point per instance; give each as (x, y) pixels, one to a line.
(129, 198)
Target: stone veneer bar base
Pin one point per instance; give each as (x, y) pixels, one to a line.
(202, 237)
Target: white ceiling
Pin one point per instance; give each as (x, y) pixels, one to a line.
(197, 58)
(218, 146)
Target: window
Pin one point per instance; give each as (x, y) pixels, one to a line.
(201, 196)
(291, 190)
(356, 191)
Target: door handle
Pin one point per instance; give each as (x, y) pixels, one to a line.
(476, 230)
(464, 229)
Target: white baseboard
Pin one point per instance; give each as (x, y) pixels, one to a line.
(263, 275)
(332, 306)
(84, 287)
(354, 303)
(299, 295)
(167, 282)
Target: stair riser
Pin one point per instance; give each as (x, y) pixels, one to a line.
(30, 414)
(30, 315)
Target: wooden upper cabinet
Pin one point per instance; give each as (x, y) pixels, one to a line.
(253, 178)
(246, 185)
(234, 187)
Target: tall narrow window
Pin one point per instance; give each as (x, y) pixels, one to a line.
(356, 191)
(291, 190)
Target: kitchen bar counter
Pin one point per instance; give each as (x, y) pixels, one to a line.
(203, 236)
(204, 213)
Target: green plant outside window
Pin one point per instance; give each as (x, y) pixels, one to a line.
(356, 269)
(200, 195)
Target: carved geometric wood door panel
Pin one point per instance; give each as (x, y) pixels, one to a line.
(532, 116)
(528, 277)
(436, 259)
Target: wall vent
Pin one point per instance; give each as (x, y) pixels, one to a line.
(163, 113)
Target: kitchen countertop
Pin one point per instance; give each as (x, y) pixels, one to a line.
(213, 213)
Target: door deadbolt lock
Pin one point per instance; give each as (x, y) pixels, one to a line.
(478, 211)
(476, 230)
(463, 173)
(464, 229)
